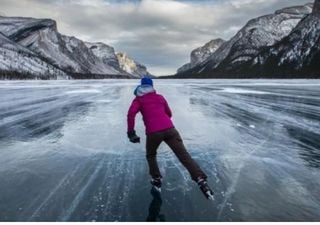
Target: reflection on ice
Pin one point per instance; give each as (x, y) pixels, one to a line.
(65, 156)
(155, 207)
(309, 146)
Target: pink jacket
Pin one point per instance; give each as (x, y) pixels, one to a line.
(155, 112)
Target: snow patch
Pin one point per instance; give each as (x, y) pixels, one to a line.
(242, 91)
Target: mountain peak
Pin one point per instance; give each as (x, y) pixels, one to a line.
(259, 32)
(131, 66)
(201, 54)
(214, 41)
(16, 28)
(296, 10)
(40, 39)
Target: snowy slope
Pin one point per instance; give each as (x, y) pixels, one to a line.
(16, 58)
(67, 53)
(257, 33)
(41, 36)
(20, 27)
(296, 54)
(201, 54)
(105, 53)
(272, 29)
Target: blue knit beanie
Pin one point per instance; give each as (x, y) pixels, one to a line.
(146, 81)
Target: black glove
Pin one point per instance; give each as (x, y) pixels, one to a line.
(133, 137)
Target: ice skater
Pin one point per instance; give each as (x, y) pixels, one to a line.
(157, 115)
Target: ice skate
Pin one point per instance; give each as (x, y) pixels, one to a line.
(156, 183)
(204, 187)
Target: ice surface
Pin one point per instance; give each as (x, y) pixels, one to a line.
(65, 155)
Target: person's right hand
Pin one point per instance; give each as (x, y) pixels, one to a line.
(133, 137)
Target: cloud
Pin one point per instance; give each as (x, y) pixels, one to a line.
(158, 33)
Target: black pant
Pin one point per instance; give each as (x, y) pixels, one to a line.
(173, 140)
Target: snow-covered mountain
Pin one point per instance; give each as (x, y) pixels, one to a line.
(131, 66)
(201, 54)
(69, 54)
(105, 53)
(20, 62)
(296, 54)
(41, 36)
(257, 34)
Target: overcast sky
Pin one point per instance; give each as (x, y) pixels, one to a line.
(157, 33)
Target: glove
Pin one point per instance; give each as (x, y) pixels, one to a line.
(133, 137)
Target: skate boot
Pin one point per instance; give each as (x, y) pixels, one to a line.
(204, 187)
(156, 183)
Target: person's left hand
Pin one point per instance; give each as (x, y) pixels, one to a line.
(133, 137)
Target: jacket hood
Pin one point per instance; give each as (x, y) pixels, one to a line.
(143, 90)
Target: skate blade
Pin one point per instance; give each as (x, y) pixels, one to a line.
(157, 189)
(210, 196)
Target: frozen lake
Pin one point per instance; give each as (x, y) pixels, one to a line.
(64, 153)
